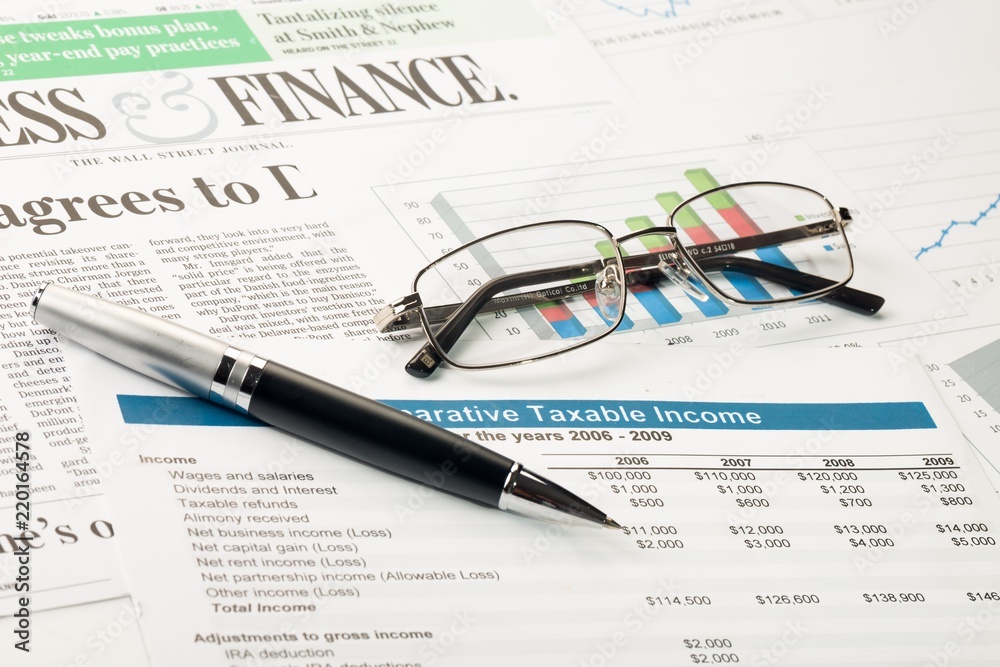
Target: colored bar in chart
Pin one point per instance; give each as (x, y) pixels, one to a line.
(687, 219)
(734, 215)
(561, 319)
(723, 202)
(748, 286)
(654, 243)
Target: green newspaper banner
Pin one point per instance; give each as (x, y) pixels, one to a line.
(126, 44)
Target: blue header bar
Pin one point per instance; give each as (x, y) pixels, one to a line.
(581, 414)
(179, 411)
(672, 414)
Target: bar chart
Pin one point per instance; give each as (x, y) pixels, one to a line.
(625, 195)
(655, 306)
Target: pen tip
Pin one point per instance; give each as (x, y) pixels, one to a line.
(611, 523)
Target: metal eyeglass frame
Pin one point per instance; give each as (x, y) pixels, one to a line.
(444, 324)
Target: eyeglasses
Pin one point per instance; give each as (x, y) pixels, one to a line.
(538, 290)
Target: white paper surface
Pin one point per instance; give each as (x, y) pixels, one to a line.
(846, 96)
(858, 534)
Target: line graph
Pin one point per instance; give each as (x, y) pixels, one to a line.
(955, 224)
(624, 26)
(669, 11)
(936, 188)
(620, 28)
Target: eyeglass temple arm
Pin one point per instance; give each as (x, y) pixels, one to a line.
(457, 317)
(709, 254)
(766, 239)
(847, 297)
(396, 316)
(389, 320)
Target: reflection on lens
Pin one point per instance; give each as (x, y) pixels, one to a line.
(523, 293)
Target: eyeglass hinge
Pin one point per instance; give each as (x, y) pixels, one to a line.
(845, 216)
(398, 314)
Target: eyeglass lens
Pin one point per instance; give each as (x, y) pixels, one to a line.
(535, 291)
(757, 244)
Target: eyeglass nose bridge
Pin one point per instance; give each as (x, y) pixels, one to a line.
(673, 265)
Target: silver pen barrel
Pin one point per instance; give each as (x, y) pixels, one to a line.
(158, 348)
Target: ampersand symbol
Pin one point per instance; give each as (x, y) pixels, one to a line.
(190, 117)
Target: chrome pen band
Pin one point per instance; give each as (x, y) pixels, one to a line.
(509, 484)
(250, 383)
(236, 378)
(528, 494)
(221, 378)
(35, 299)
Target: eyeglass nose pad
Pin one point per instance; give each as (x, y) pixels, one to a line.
(608, 292)
(681, 276)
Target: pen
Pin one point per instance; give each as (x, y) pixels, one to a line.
(330, 416)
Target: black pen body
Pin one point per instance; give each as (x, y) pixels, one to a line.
(377, 434)
(329, 416)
